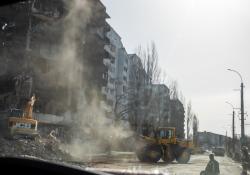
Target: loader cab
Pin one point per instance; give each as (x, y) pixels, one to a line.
(15, 112)
(166, 135)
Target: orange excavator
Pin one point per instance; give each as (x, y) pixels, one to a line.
(23, 125)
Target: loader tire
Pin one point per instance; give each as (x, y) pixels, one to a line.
(141, 155)
(184, 157)
(168, 155)
(150, 153)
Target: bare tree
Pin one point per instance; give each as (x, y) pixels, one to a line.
(163, 77)
(192, 123)
(147, 74)
(182, 98)
(174, 92)
(189, 118)
(150, 62)
(195, 128)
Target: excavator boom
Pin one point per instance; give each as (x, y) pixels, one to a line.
(29, 108)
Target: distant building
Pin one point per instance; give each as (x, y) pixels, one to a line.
(150, 104)
(137, 76)
(209, 139)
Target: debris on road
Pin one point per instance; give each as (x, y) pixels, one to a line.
(44, 148)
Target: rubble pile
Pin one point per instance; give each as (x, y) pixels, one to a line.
(41, 148)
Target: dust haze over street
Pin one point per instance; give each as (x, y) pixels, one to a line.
(127, 162)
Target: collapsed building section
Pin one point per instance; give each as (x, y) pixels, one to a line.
(32, 38)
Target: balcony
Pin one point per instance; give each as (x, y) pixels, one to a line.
(106, 107)
(104, 90)
(111, 85)
(110, 50)
(125, 74)
(111, 74)
(107, 62)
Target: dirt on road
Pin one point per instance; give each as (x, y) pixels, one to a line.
(42, 148)
(131, 165)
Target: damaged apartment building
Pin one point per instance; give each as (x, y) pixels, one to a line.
(47, 51)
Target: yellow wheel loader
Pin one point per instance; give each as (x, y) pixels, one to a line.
(164, 145)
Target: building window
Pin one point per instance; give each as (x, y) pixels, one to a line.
(105, 76)
(125, 78)
(112, 80)
(126, 60)
(125, 69)
(110, 102)
(124, 89)
(112, 47)
(112, 69)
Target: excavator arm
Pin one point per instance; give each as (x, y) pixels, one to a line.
(29, 108)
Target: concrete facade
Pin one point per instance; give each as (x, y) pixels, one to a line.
(122, 83)
(116, 89)
(111, 62)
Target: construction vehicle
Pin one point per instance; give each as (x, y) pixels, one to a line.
(22, 123)
(164, 145)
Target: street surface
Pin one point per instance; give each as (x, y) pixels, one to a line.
(127, 162)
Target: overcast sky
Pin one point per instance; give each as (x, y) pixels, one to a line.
(197, 40)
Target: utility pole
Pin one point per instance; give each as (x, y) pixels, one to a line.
(241, 108)
(233, 123)
(243, 142)
(187, 128)
(233, 132)
(233, 127)
(242, 113)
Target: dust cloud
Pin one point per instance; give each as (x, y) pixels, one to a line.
(93, 131)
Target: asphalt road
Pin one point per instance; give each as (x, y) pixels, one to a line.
(127, 162)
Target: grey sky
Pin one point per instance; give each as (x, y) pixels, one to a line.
(197, 40)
